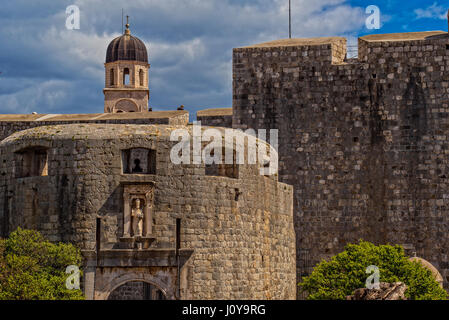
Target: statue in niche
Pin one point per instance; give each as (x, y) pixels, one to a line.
(137, 168)
(137, 216)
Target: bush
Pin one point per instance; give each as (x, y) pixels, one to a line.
(345, 272)
(32, 268)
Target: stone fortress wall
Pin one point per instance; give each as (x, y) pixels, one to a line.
(364, 142)
(240, 228)
(106, 183)
(11, 123)
(220, 117)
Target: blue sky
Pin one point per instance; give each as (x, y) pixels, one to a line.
(46, 68)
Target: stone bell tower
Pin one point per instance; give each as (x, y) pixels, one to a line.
(126, 79)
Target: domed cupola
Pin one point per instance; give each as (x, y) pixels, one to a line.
(126, 75)
(127, 47)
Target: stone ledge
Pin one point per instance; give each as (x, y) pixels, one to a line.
(136, 258)
(92, 116)
(137, 239)
(128, 178)
(407, 36)
(214, 112)
(296, 42)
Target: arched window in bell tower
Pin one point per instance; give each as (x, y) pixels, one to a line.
(141, 77)
(112, 77)
(126, 77)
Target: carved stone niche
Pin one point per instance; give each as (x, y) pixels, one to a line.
(138, 213)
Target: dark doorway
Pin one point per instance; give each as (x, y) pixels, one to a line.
(137, 290)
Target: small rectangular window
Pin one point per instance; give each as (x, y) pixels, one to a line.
(139, 161)
(31, 162)
(230, 170)
(141, 76)
(126, 80)
(112, 75)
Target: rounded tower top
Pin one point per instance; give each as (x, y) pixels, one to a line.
(127, 47)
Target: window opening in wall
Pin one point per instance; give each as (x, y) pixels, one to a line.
(266, 166)
(223, 169)
(141, 77)
(139, 161)
(112, 77)
(31, 162)
(126, 76)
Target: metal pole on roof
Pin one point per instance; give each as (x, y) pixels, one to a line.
(122, 21)
(289, 19)
(178, 261)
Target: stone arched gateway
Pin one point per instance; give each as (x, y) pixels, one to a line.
(137, 290)
(162, 279)
(235, 225)
(112, 268)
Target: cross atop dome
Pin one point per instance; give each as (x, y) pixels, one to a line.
(127, 31)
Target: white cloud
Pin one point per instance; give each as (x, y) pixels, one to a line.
(189, 43)
(174, 55)
(433, 12)
(78, 52)
(50, 93)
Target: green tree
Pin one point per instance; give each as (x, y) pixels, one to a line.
(345, 272)
(32, 268)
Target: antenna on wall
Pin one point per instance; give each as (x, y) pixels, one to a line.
(289, 19)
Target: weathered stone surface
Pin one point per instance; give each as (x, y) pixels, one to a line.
(240, 229)
(364, 142)
(386, 291)
(220, 117)
(10, 123)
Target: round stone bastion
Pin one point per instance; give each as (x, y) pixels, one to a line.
(190, 230)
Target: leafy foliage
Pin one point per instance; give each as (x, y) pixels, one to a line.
(345, 272)
(32, 268)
